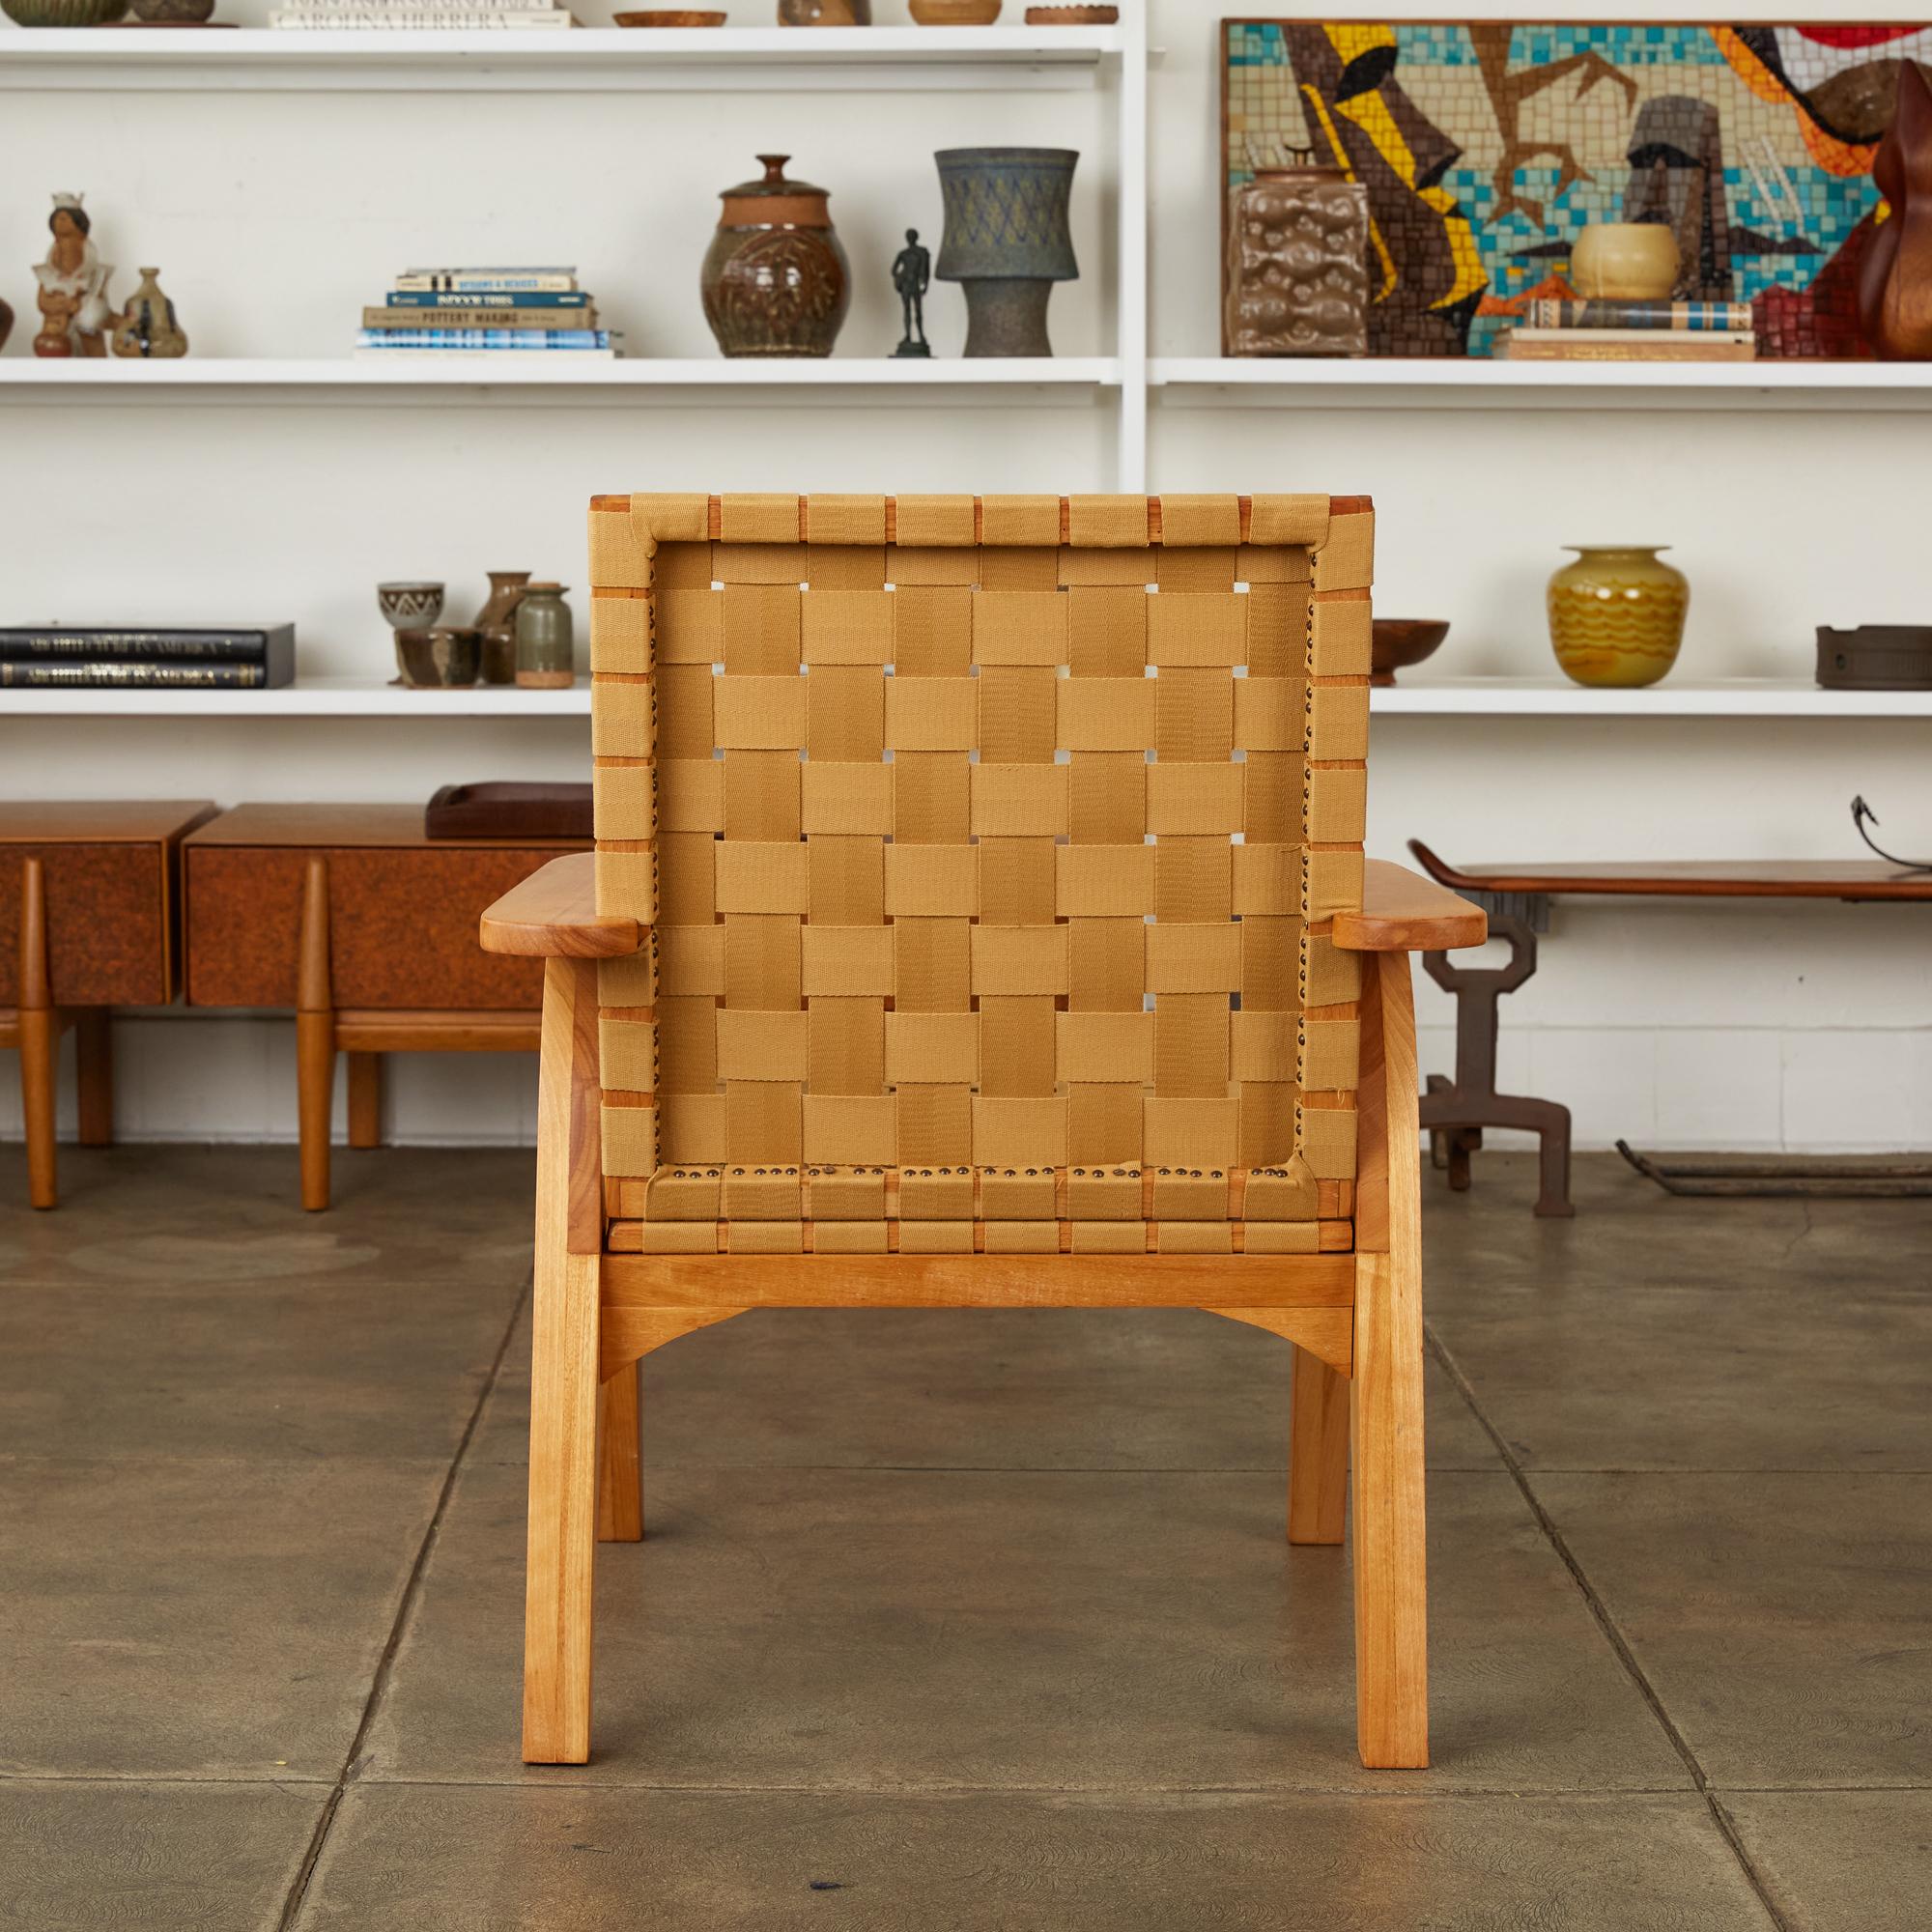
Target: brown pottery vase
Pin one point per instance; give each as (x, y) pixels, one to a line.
(775, 280)
(1895, 274)
(496, 621)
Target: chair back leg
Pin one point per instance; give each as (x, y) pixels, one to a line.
(620, 1476)
(1318, 1452)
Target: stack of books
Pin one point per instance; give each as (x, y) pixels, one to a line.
(248, 657)
(467, 14)
(1561, 330)
(484, 312)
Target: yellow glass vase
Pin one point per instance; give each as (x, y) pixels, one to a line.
(1616, 615)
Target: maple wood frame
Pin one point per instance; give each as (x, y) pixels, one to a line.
(1354, 1318)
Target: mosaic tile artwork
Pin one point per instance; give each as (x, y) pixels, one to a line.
(1486, 148)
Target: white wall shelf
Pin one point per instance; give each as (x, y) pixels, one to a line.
(602, 60)
(1495, 383)
(1674, 697)
(1489, 698)
(306, 697)
(541, 376)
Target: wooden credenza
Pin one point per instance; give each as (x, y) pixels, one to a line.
(350, 915)
(89, 921)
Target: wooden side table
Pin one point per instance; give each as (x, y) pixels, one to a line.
(87, 897)
(350, 915)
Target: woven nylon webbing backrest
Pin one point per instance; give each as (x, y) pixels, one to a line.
(988, 848)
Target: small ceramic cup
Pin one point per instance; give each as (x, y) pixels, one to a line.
(411, 607)
(1624, 261)
(433, 659)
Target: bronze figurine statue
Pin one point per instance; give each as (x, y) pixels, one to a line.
(912, 276)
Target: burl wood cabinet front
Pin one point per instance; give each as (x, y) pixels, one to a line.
(401, 926)
(107, 923)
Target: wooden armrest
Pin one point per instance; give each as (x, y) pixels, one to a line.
(553, 915)
(1403, 911)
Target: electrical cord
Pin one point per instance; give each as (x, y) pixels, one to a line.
(1860, 812)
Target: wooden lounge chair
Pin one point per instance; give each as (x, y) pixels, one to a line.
(903, 975)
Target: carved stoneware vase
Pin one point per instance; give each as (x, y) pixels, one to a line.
(1006, 240)
(775, 280)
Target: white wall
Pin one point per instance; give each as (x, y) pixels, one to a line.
(276, 216)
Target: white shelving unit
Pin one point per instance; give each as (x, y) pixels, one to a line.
(1495, 383)
(542, 378)
(601, 60)
(1739, 697)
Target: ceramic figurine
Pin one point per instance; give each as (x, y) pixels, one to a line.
(1006, 239)
(825, 13)
(545, 659)
(775, 280)
(74, 305)
(1616, 615)
(912, 276)
(496, 622)
(1298, 275)
(149, 327)
(1895, 275)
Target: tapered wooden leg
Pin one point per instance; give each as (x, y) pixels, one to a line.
(620, 1475)
(93, 1061)
(1385, 1394)
(40, 1034)
(365, 1099)
(563, 1546)
(1318, 1452)
(315, 1038)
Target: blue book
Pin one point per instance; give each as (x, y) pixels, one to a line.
(486, 299)
(483, 338)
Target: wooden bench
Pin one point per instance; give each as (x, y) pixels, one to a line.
(1517, 899)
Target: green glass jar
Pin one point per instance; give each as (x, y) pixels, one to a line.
(546, 657)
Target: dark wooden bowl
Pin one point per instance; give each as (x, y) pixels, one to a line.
(670, 16)
(1401, 642)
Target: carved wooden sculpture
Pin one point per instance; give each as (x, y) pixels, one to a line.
(936, 989)
(1895, 275)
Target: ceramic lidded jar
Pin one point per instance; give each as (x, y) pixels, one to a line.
(545, 659)
(1616, 615)
(776, 281)
(1299, 265)
(1008, 240)
(825, 13)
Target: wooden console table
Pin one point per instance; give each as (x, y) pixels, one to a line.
(1517, 899)
(350, 915)
(88, 896)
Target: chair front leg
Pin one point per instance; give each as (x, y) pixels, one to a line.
(1385, 1393)
(563, 1546)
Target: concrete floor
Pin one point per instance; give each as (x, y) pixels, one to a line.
(952, 1620)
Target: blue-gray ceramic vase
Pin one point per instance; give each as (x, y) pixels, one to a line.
(1006, 240)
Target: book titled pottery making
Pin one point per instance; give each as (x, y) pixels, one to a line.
(248, 656)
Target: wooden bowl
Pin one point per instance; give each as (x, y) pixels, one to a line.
(1398, 642)
(670, 16)
(1071, 16)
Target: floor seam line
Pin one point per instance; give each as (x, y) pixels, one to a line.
(1600, 1610)
(405, 1603)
